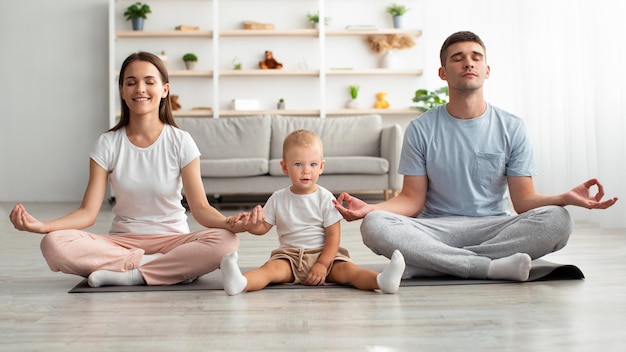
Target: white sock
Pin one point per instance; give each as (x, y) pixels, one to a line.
(389, 280)
(515, 267)
(115, 278)
(234, 281)
(147, 258)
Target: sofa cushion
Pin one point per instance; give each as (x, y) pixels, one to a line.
(230, 137)
(238, 167)
(344, 165)
(341, 136)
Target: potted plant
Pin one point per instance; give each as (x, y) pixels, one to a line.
(190, 60)
(386, 44)
(354, 93)
(281, 104)
(397, 11)
(236, 63)
(314, 19)
(136, 13)
(427, 99)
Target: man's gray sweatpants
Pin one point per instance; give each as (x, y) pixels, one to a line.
(464, 246)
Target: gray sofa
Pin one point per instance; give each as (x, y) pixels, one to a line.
(241, 155)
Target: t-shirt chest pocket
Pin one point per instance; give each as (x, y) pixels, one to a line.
(488, 167)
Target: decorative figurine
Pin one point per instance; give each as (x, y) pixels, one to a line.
(269, 62)
(381, 101)
(174, 102)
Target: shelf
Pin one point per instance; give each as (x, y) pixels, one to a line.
(374, 111)
(315, 32)
(272, 72)
(339, 112)
(324, 61)
(383, 31)
(269, 33)
(164, 34)
(373, 72)
(193, 113)
(275, 112)
(184, 73)
(190, 73)
(185, 113)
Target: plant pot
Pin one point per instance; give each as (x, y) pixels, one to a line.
(190, 65)
(388, 60)
(352, 104)
(280, 105)
(397, 21)
(137, 24)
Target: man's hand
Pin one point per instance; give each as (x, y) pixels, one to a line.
(580, 196)
(356, 208)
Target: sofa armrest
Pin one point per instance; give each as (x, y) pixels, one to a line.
(390, 148)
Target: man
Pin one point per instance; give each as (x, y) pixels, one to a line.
(458, 161)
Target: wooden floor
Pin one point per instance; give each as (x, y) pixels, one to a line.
(37, 313)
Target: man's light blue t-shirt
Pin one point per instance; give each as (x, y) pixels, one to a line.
(466, 161)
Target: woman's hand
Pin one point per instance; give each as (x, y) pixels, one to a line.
(233, 220)
(253, 221)
(23, 221)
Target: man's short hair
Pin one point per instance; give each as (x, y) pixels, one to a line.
(458, 37)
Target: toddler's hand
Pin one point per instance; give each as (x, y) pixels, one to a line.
(233, 220)
(316, 276)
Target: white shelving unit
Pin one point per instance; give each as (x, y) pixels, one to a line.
(312, 82)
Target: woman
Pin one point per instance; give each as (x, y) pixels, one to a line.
(148, 161)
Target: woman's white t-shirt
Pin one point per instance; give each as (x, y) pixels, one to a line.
(146, 181)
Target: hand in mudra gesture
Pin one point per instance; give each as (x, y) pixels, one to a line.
(581, 196)
(23, 221)
(355, 208)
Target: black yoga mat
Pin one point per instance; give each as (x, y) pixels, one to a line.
(542, 270)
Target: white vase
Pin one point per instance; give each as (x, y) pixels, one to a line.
(388, 60)
(352, 104)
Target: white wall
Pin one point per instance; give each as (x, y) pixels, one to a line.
(54, 96)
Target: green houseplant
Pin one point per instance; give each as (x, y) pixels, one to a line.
(427, 99)
(190, 60)
(397, 11)
(354, 93)
(314, 19)
(137, 13)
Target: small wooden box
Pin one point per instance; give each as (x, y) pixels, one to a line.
(256, 25)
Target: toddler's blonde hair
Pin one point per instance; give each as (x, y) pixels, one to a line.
(302, 138)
